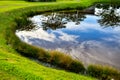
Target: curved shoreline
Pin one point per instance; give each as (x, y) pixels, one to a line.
(9, 30)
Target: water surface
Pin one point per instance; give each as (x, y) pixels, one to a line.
(91, 38)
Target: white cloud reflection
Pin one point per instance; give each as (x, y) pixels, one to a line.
(89, 51)
(41, 34)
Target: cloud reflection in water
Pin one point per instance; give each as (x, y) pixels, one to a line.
(87, 41)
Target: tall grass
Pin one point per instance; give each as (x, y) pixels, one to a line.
(103, 72)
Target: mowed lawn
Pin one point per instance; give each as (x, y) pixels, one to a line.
(10, 5)
(7, 5)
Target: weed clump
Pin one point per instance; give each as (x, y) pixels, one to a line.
(77, 67)
(66, 62)
(103, 73)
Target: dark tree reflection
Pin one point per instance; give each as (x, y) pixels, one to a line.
(110, 16)
(58, 20)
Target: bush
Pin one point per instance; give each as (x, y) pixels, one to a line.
(44, 56)
(66, 62)
(55, 57)
(77, 66)
(103, 73)
(23, 23)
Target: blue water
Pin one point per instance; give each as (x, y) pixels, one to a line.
(90, 38)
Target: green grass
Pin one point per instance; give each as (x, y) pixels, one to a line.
(14, 66)
(18, 67)
(6, 76)
(10, 5)
(15, 4)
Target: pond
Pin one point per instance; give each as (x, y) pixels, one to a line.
(92, 37)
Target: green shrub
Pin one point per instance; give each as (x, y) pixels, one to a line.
(60, 59)
(23, 23)
(103, 73)
(27, 50)
(55, 57)
(76, 66)
(66, 62)
(44, 56)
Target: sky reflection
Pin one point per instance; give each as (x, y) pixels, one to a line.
(87, 41)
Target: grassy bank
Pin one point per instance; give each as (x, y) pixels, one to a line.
(14, 64)
(15, 67)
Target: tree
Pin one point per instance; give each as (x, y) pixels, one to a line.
(109, 16)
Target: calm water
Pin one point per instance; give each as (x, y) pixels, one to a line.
(91, 38)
